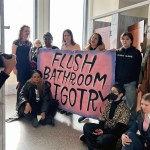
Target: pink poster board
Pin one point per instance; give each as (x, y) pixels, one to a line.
(80, 80)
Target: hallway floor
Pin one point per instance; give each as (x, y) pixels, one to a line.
(20, 135)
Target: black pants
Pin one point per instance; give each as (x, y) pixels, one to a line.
(53, 106)
(36, 110)
(104, 141)
(18, 87)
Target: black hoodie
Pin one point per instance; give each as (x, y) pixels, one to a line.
(128, 65)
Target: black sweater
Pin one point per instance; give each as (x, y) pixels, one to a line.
(128, 65)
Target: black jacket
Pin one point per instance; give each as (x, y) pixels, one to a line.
(138, 126)
(128, 65)
(3, 77)
(28, 94)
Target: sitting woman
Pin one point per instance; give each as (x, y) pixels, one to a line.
(141, 141)
(113, 122)
(35, 101)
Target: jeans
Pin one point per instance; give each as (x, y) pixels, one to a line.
(131, 97)
(136, 144)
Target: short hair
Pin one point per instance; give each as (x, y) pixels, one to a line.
(146, 97)
(36, 71)
(127, 34)
(48, 35)
(120, 88)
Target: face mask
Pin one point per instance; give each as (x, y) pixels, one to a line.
(112, 96)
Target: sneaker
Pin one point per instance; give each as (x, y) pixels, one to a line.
(50, 121)
(82, 138)
(68, 113)
(81, 119)
(62, 111)
(35, 122)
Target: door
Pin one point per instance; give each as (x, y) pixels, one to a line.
(137, 31)
(2, 115)
(105, 32)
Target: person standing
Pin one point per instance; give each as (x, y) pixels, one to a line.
(95, 42)
(21, 48)
(128, 65)
(68, 41)
(34, 53)
(48, 41)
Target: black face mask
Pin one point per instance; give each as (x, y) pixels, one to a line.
(112, 96)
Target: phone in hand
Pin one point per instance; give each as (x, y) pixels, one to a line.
(7, 56)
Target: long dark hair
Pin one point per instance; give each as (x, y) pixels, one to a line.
(70, 33)
(100, 42)
(40, 86)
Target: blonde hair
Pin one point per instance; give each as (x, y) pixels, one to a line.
(37, 40)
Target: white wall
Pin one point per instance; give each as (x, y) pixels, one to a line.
(139, 12)
(104, 6)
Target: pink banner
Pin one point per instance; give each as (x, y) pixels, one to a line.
(80, 80)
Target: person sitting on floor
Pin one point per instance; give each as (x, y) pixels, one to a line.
(113, 122)
(35, 101)
(141, 141)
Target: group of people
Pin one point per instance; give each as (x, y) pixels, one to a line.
(118, 120)
(114, 125)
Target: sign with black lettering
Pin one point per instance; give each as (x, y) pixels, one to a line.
(80, 80)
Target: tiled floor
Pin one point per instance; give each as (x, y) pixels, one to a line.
(20, 135)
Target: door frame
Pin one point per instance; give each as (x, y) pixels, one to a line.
(2, 91)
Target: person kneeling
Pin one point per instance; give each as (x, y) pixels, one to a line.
(113, 122)
(35, 101)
